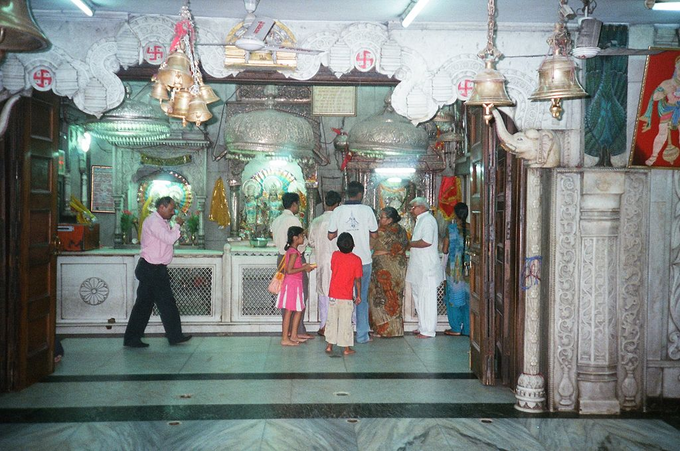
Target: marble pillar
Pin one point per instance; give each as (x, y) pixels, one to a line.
(530, 392)
(597, 344)
(235, 206)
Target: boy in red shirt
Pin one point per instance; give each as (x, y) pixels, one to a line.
(346, 272)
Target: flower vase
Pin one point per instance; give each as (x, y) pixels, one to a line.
(194, 239)
(125, 238)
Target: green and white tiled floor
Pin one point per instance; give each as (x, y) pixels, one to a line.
(248, 392)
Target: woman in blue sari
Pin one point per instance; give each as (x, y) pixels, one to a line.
(457, 277)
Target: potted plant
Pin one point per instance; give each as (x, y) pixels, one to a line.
(127, 219)
(192, 222)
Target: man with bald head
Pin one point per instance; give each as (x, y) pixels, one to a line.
(424, 273)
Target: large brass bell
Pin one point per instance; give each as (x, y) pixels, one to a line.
(208, 94)
(180, 105)
(489, 90)
(198, 110)
(557, 80)
(159, 91)
(18, 30)
(175, 72)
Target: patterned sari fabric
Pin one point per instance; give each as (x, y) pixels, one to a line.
(457, 284)
(386, 290)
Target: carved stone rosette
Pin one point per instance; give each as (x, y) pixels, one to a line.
(530, 392)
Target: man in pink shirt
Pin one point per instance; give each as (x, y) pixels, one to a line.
(158, 239)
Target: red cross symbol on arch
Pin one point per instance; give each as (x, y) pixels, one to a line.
(42, 79)
(154, 53)
(465, 88)
(364, 60)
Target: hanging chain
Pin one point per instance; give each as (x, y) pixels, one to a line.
(560, 40)
(490, 51)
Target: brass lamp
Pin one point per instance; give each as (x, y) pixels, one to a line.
(18, 30)
(557, 75)
(180, 75)
(489, 84)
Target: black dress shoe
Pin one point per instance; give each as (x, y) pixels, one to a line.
(136, 344)
(184, 338)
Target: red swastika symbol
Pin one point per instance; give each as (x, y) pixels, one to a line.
(154, 53)
(43, 78)
(365, 59)
(465, 88)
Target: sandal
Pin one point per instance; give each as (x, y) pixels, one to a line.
(451, 333)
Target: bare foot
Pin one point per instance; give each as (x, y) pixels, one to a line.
(423, 336)
(289, 343)
(306, 336)
(329, 349)
(297, 339)
(349, 351)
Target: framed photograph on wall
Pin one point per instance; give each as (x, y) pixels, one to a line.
(334, 101)
(656, 140)
(101, 189)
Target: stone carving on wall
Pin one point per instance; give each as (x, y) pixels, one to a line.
(423, 89)
(94, 291)
(674, 305)
(633, 233)
(567, 200)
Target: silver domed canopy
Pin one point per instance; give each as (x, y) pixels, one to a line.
(269, 132)
(387, 133)
(132, 124)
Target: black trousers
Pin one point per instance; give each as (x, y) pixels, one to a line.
(302, 329)
(154, 288)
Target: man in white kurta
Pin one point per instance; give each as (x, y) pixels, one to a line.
(323, 250)
(424, 272)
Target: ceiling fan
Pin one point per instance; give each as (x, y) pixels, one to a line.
(258, 36)
(589, 35)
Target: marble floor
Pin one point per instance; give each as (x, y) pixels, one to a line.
(249, 393)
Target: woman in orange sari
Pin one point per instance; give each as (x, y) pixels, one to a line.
(386, 290)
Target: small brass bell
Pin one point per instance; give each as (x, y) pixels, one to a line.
(208, 94)
(159, 91)
(198, 111)
(175, 72)
(180, 106)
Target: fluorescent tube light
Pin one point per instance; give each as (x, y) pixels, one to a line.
(395, 171)
(415, 8)
(666, 7)
(84, 7)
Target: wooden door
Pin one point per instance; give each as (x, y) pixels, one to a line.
(32, 222)
(479, 361)
(495, 180)
(507, 257)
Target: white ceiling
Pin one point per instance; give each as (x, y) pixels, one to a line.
(535, 11)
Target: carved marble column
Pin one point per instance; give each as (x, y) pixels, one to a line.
(235, 206)
(200, 206)
(311, 187)
(597, 343)
(530, 391)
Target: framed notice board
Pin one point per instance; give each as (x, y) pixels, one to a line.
(334, 100)
(101, 189)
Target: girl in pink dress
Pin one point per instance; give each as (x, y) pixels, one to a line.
(291, 297)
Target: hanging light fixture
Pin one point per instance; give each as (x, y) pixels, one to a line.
(489, 84)
(178, 85)
(557, 75)
(132, 124)
(18, 30)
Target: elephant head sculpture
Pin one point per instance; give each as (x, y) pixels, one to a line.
(540, 148)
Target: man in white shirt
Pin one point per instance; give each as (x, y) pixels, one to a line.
(279, 229)
(359, 221)
(424, 273)
(323, 250)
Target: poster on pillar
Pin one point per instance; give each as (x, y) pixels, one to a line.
(656, 141)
